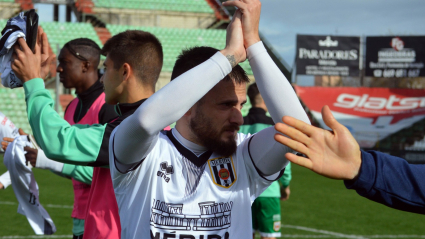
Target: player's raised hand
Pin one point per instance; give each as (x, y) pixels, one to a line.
(235, 50)
(26, 64)
(333, 154)
(46, 58)
(251, 10)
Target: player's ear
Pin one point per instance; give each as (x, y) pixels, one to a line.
(86, 66)
(126, 71)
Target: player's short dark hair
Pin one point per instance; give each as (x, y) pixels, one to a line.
(84, 49)
(194, 56)
(141, 50)
(253, 92)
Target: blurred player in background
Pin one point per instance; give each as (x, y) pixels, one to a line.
(266, 216)
(7, 129)
(335, 154)
(132, 67)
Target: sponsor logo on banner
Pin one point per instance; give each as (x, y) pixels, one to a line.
(397, 44)
(328, 42)
(328, 55)
(223, 171)
(371, 114)
(388, 104)
(395, 56)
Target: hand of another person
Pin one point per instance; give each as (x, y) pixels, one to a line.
(5, 143)
(21, 132)
(284, 193)
(6, 140)
(235, 50)
(251, 10)
(46, 59)
(25, 63)
(333, 154)
(31, 155)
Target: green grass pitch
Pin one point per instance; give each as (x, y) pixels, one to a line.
(317, 208)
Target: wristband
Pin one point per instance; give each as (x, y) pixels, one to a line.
(45, 163)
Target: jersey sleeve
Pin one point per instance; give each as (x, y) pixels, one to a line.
(121, 180)
(80, 173)
(391, 181)
(257, 181)
(286, 178)
(77, 144)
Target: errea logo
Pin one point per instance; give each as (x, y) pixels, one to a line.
(165, 170)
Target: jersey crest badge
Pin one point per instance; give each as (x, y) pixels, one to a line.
(223, 171)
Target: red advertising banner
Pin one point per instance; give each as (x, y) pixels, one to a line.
(371, 114)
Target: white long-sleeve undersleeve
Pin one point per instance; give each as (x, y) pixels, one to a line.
(281, 100)
(46, 163)
(165, 107)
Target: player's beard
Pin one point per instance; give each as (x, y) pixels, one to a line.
(201, 126)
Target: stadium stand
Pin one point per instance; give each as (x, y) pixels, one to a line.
(175, 39)
(165, 5)
(417, 145)
(159, 13)
(12, 104)
(61, 33)
(410, 138)
(8, 8)
(3, 22)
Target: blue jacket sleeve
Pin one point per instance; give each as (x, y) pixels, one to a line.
(391, 181)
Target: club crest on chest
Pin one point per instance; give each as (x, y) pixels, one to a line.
(223, 171)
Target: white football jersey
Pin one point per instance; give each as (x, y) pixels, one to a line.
(7, 128)
(175, 194)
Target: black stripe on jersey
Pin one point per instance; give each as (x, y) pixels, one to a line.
(198, 161)
(258, 171)
(193, 174)
(229, 167)
(216, 175)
